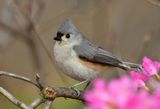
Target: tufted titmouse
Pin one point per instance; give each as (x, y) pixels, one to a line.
(81, 59)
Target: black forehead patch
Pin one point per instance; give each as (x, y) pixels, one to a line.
(60, 34)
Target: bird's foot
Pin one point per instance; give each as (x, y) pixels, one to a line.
(80, 83)
(76, 90)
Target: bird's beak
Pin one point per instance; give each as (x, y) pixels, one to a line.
(58, 38)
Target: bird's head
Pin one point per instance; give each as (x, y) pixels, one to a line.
(67, 33)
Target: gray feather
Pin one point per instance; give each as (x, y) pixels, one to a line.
(91, 52)
(67, 27)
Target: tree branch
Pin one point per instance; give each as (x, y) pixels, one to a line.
(37, 102)
(11, 98)
(48, 94)
(47, 104)
(3, 73)
(69, 93)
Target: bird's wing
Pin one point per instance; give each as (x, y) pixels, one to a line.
(87, 50)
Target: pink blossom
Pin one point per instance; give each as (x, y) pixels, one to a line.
(120, 94)
(142, 100)
(139, 77)
(124, 93)
(121, 89)
(150, 67)
(97, 98)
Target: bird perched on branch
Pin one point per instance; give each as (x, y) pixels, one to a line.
(80, 58)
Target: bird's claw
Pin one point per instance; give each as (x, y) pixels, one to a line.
(76, 90)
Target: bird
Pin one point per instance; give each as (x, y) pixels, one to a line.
(80, 58)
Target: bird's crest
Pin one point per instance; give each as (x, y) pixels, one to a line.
(67, 27)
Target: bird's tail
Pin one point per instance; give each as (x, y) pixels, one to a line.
(130, 66)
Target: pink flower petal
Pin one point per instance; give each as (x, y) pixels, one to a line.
(150, 67)
(120, 93)
(99, 84)
(139, 75)
(139, 78)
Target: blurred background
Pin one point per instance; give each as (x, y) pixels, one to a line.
(130, 29)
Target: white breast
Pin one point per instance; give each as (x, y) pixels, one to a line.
(69, 63)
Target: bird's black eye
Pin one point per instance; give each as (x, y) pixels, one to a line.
(67, 35)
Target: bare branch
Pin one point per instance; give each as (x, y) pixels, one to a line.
(48, 94)
(52, 93)
(3, 73)
(38, 82)
(154, 2)
(38, 101)
(11, 98)
(47, 104)
(68, 93)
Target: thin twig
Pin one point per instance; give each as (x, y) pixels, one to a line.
(52, 93)
(38, 82)
(38, 101)
(69, 93)
(49, 93)
(11, 98)
(60, 91)
(3, 73)
(47, 104)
